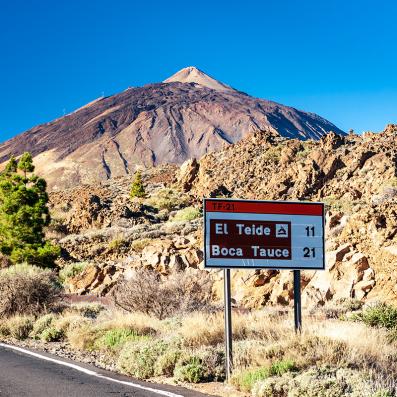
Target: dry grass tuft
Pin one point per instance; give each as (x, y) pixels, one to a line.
(140, 323)
(18, 327)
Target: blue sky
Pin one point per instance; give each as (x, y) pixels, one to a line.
(335, 58)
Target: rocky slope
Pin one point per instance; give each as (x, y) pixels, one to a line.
(184, 117)
(354, 175)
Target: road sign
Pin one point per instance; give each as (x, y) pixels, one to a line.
(263, 234)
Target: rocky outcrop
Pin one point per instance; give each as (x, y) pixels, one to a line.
(94, 279)
(163, 255)
(263, 167)
(187, 174)
(355, 176)
(169, 255)
(348, 275)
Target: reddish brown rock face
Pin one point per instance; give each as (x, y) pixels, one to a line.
(355, 177)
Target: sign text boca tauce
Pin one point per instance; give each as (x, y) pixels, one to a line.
(263, 234)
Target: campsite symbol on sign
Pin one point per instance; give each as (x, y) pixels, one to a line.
(281, 230)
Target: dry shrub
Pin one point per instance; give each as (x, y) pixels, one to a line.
(83, 337)
(251, 353)
(89, 334)
(139, 358)
(168, 199)
(27, 290)
(367, 348)
(147, 292)
(205, 329)
(260, 342)
(69, 321)
(18, 327)
(323, 381)
(201, 329)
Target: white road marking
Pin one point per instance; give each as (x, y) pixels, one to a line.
(89, 372)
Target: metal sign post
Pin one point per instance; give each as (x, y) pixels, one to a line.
(250, 234)
(297, 301)
(228, 324)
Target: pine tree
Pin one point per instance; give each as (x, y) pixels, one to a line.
(137, 188)
(24, 214)
(25, 164)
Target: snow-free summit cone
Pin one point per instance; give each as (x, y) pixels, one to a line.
(191, 74)
(189, 115)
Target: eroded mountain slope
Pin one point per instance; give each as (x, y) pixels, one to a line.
(169, 122)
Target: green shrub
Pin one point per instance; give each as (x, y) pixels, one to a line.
(117, 337)
(380, 315)
(139, 358)
(116, 244)
(139, 245)
(316, 382)
(166, 363)
(337, 204)
(167, 199)
(383, 393)
(351, 304)
(203, 365)
(273, 154)
(52, 334)
(213, 362)
(190, 370)
(137, 188)
(41, 324)
(186, 214)
(245, 380)
(302, 154)
(71, 270)
(281, 367)
(27, 290)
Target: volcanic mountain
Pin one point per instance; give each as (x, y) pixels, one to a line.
(185, 116)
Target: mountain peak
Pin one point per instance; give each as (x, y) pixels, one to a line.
(191, 74)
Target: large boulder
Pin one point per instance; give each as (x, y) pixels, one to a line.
(187, 174)
(81, 283)
(346, 276)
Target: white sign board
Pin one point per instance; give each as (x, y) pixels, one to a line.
(263, 234)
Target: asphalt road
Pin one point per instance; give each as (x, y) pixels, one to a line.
(22, 375)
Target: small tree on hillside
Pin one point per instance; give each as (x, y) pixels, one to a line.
(24, 214)
(137, 188)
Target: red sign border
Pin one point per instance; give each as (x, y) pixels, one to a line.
(265, 207)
